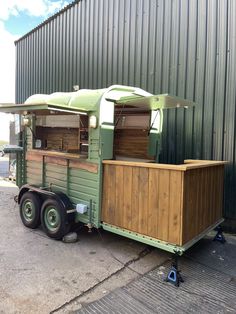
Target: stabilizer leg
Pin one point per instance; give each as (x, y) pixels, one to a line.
(174, 276)
(219, 237)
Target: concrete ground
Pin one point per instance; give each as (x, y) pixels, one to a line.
(106, 273)
(40, 275)
(209, 273)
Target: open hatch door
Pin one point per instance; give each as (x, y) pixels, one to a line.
(154, 102)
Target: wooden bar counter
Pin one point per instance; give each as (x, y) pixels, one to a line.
(71, 160)
(171, 203)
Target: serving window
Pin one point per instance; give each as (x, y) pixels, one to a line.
(66, 133)
(131, 135)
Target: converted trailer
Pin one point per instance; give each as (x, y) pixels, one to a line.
(91, 156)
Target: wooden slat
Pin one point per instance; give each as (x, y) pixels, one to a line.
(109, 193)
(175, 206)
(143, 200)
(119, 201)
(145, 165)
(55, 161)
(41, 152)
(58, 138)
(181, 167)
(60, 159)
(127, 214)
(153, 201)
(33, 156)
(135, 198)
(131, 143)
(164, 199)
(84, 165)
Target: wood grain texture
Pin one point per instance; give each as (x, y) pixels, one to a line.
(181, 167)
(167, 204)
(58, 138)
(57, 158)
(143, 200)
(131, 143)
(33, 156)
(84, 165)
(203, 200)
(175, 206)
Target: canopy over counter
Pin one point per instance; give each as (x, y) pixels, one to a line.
(86, 100)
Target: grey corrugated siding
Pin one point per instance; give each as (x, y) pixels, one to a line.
(183, 47)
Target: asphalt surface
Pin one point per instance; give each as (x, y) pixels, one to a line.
(209, 272)
(106, 273)
(41, 275)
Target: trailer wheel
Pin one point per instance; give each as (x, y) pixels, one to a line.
(54, 220)
(30, 205)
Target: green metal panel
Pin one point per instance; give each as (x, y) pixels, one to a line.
(34, 173)
(185, 48)
(55, 177)
(81, 186)
(84, 187)
(20, 160)
(107, 139)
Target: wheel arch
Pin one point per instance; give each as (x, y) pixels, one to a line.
(62, 198)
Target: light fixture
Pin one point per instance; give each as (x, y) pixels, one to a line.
(93, 122)
(26, 121)
(76, 88)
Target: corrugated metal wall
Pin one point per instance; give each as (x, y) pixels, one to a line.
(183, 47)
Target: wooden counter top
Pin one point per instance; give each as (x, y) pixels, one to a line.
(76, 161)
(188, 164)
(58, 154)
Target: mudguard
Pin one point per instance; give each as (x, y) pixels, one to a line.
(44, 194)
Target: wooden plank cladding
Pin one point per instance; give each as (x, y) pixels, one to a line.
(143, 200)
(58, 138)
(62, 159)
(203, 199)
(173, 205)
(131, 143)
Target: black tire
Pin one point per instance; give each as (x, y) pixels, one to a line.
(30, 206)
(54, 219)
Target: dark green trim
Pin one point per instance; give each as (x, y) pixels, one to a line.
(43, 171)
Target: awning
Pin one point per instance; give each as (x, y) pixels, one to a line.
(79, 102)
(85, 100)
(38, 109)
(154, 102)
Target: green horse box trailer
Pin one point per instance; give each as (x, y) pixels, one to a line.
(91, 156)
